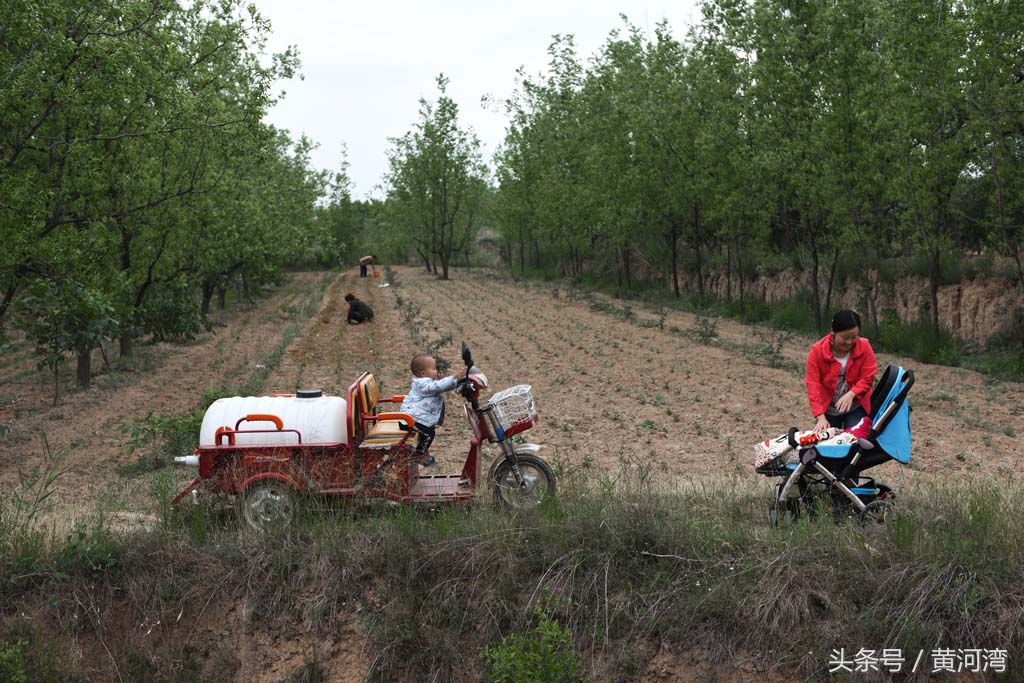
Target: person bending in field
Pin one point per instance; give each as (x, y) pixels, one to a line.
(425, 402)
(358, 311)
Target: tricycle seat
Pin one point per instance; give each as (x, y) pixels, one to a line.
(368, 426)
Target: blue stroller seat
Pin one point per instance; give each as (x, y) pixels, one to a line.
(837, 468)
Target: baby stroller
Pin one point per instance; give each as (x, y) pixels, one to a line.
(831, 474)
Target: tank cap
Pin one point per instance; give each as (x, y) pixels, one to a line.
(308, 393)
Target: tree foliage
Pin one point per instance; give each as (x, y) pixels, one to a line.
(136, 169)
(819, 134)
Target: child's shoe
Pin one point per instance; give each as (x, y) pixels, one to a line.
(429, 462)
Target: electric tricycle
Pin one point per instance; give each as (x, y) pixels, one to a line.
(265, 452)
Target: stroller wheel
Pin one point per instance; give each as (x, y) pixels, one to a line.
(880, 511)
(784, 513)
(886, 493)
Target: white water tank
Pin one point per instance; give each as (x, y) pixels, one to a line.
(319, 420)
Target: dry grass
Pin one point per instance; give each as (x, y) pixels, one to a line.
(624, 566)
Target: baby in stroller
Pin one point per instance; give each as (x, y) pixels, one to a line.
(812, 464)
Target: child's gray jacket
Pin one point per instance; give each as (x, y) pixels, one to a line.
(426, 398)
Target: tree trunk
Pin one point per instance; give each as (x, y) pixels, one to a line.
(126, 344)
(728, 271)
(934, 276)
(815, 289)
(700, 271)
(84, 374)
(697, 241)
(522, 257)
(56, 384)
(208, 290)
(245, 288)
(675, 259)
(222, 295)
(1020, 266)
(625, 266)
(831, 280)
(739, 272)
(8, 298)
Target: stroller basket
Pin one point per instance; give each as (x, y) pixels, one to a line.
(514, 410)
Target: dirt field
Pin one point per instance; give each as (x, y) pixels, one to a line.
(612, 390)
(609, 390)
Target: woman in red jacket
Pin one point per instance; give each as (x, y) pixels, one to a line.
(840, 374)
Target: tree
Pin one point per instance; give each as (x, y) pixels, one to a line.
(436, 181)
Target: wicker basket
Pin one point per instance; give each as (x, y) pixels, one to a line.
(514, 408)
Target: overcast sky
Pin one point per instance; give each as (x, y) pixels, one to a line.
(366, 64)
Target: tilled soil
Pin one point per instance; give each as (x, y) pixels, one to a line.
(646, 393)
(639, 392)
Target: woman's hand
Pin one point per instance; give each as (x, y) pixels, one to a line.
(845, 402)
(822, 423)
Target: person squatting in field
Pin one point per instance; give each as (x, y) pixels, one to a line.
(358, 311)
(425, 402)
(841, 369)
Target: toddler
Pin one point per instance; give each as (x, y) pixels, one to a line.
(425, 402)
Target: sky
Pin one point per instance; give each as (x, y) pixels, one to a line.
(365, 65)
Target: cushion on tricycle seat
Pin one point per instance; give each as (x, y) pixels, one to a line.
(384, 433)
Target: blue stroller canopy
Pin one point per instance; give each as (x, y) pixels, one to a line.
(892, 424)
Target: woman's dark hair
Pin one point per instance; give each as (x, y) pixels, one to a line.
(845, 320)
(349, 297)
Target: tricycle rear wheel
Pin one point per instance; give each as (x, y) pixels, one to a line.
(268, 505)
(538, 483)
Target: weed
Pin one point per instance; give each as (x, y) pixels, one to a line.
(706, 329)
(12, 662)
(769, 350)
(158, 439)
(544, 653)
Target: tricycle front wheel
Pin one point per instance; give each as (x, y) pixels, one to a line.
(538, 482)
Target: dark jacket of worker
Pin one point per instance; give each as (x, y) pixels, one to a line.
(358, 311)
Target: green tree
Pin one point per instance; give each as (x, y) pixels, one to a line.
(436, 181)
